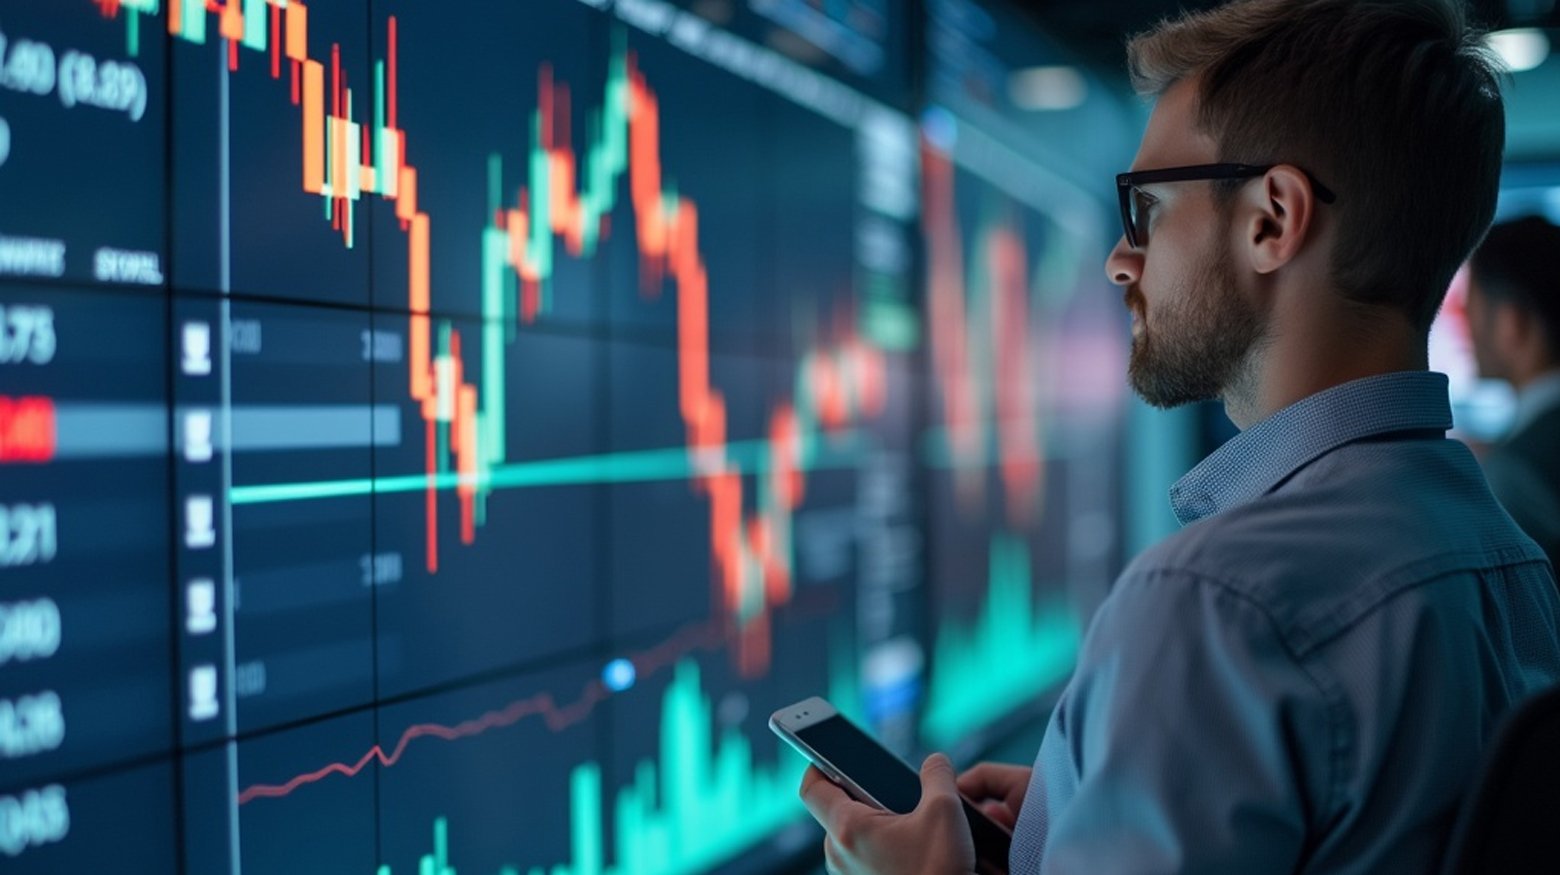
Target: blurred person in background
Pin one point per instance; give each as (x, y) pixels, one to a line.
(1514, 322)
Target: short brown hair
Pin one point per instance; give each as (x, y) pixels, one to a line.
(1394, 104)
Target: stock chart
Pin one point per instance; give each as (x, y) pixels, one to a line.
(1025, 390)
(1025, 375)
(435, 437)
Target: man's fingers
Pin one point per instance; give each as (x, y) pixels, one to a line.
(833, 859)
(938, 769)
(999, 812)
(982, 781)
(939, 785)
(824, 799)
(995, 781)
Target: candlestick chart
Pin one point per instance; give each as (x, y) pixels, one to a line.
(428, 341)
(435, 437)
(1023, 367)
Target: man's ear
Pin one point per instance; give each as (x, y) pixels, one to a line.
(1279, 211)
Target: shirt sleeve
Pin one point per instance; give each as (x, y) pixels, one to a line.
(1188, 742)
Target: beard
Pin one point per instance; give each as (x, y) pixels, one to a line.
(1199, 340)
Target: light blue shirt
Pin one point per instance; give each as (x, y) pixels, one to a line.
(1301, 680)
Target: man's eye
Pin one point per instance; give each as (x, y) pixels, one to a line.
(1142, 205)
(1145, 202)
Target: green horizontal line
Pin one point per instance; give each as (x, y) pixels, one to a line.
(674, 463)
(937, 449)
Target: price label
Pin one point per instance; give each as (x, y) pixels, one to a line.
(31, 725)
(112, 85)
(29, 630)
(27, 334)
(28, 535)
(30, 67)
(26, 66)
(34, 818)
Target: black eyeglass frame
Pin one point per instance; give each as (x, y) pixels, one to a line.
(1126, 182)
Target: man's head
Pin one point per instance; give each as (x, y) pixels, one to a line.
(1514, 301)
(1391, 105)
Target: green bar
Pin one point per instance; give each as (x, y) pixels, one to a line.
(590, 199)
(585, 819)
(354, 147)
(441, 429)
(495, 183)
(193, 26)
(541, 210)
(254, 25)
(1011, 653)
(607, 158)
(892, 325)
(441, 846)
(328, 203)
(132, 33)
(381, 160)
(495, 412)
(714, 800)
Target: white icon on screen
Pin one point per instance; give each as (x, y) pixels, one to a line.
(200, 602)
(197, 436)
(197, 349)
(203, 692)
(199, 523)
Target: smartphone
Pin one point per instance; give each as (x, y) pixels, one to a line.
(872, 774)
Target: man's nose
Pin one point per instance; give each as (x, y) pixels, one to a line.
(1125, 264)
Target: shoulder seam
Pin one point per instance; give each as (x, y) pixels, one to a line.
(1337, 711)
(1385, 587)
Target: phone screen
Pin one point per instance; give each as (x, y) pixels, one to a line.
(867, 763)
(895, 784)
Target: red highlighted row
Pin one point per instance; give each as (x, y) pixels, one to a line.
(28, 429)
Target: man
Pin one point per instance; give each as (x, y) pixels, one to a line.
(1514, 318)
(1302, 679)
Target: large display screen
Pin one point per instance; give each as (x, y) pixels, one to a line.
(435, 436)
(1025, 363)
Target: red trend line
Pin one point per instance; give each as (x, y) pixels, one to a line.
(647, 663)
(541, 705)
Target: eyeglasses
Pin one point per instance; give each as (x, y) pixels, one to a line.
(1135, 202)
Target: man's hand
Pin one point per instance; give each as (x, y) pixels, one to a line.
(932, 839)
(997, 789)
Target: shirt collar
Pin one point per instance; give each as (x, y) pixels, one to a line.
(1536, 398)
(1261, 457)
